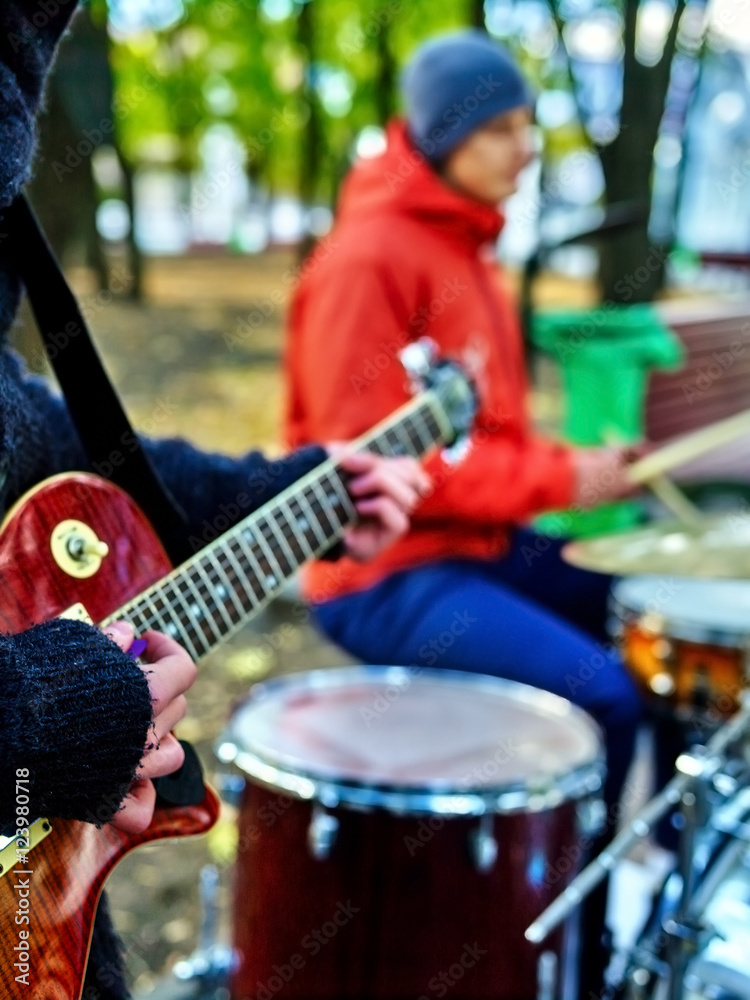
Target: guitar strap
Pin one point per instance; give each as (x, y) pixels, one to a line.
(99, 418)
(94, 406)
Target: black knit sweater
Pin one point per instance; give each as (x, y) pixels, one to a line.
(75, 710)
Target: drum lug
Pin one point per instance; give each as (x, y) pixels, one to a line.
(321, 834)
(482, 844)
(592, 814)
(230, 788)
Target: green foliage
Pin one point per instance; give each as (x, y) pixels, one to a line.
(227, 61)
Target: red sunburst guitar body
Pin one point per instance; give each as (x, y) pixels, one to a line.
(70, 865)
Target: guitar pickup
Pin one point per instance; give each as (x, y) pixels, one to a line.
(11, 854)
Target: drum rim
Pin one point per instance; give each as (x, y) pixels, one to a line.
(584, 781)
(675, 626)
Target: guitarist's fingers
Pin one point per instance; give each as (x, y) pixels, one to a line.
(137, 808)
(167, 758)
(168, 719)
(169, 669)
(122, 633)
(401, 480)
(385, 513)
(373, 473)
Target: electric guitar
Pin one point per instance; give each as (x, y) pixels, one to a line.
(77, 545)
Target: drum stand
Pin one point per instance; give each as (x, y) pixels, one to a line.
(689, 788)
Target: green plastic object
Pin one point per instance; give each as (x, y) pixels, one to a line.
(605, 357)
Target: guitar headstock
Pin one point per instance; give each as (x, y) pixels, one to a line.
(447, 380)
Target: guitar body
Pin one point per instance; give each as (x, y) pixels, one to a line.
(67, 870)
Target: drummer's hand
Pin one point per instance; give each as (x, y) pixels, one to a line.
(170, 673)
(601, 473)
(385, 492)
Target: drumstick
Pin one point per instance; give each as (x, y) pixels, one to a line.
(688, 447)
(675, 500)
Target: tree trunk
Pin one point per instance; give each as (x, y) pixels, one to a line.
(313, 137)
(631, 268)
(477, 17)
(77, 120)
(385, 84)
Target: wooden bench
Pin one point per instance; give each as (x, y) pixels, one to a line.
(714, 383)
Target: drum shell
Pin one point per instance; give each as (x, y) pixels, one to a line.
(398, 901)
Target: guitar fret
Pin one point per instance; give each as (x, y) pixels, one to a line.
(212, 588)
(139, 626)
(277, 574)
(334, 480)
(426, 440)
(263, 575)
(298, 532)
(313, 520)
(326, 508)
(215, 562)
(247, 587)
(206, 615)
(402, 432)
(443, 429)
(175, 624)
(189, 622)
(290, 556)
(390, 437)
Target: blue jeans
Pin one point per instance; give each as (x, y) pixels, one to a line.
(527, 617)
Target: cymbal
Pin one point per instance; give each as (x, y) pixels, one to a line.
(718, 547)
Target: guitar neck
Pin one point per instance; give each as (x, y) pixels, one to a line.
(213, 594)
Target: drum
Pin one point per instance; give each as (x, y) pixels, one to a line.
(686, 641)
(399, 829)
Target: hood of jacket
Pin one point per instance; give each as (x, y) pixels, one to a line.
(401, 181)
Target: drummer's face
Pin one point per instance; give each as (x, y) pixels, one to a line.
(487, 164)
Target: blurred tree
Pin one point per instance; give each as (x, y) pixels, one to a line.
(477, 14)
(76, 121)
(627, 157)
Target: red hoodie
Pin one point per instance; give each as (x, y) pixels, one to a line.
(410, 257)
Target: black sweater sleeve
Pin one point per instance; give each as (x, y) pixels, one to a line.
(75, 713)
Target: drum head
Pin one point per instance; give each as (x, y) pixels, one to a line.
(387, 735)
(710, 611)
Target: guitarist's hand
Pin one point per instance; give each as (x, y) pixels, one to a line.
(170, 673)
(385, 492)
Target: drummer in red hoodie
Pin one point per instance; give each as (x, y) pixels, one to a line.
(413, 254)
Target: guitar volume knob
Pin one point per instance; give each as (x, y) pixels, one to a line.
(77, 549)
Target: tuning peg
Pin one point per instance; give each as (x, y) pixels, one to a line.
(418, 358)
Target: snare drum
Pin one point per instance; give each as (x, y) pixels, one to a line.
(686, 641)
(400, 829)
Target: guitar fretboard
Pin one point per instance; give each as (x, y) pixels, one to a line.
(209, 597)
